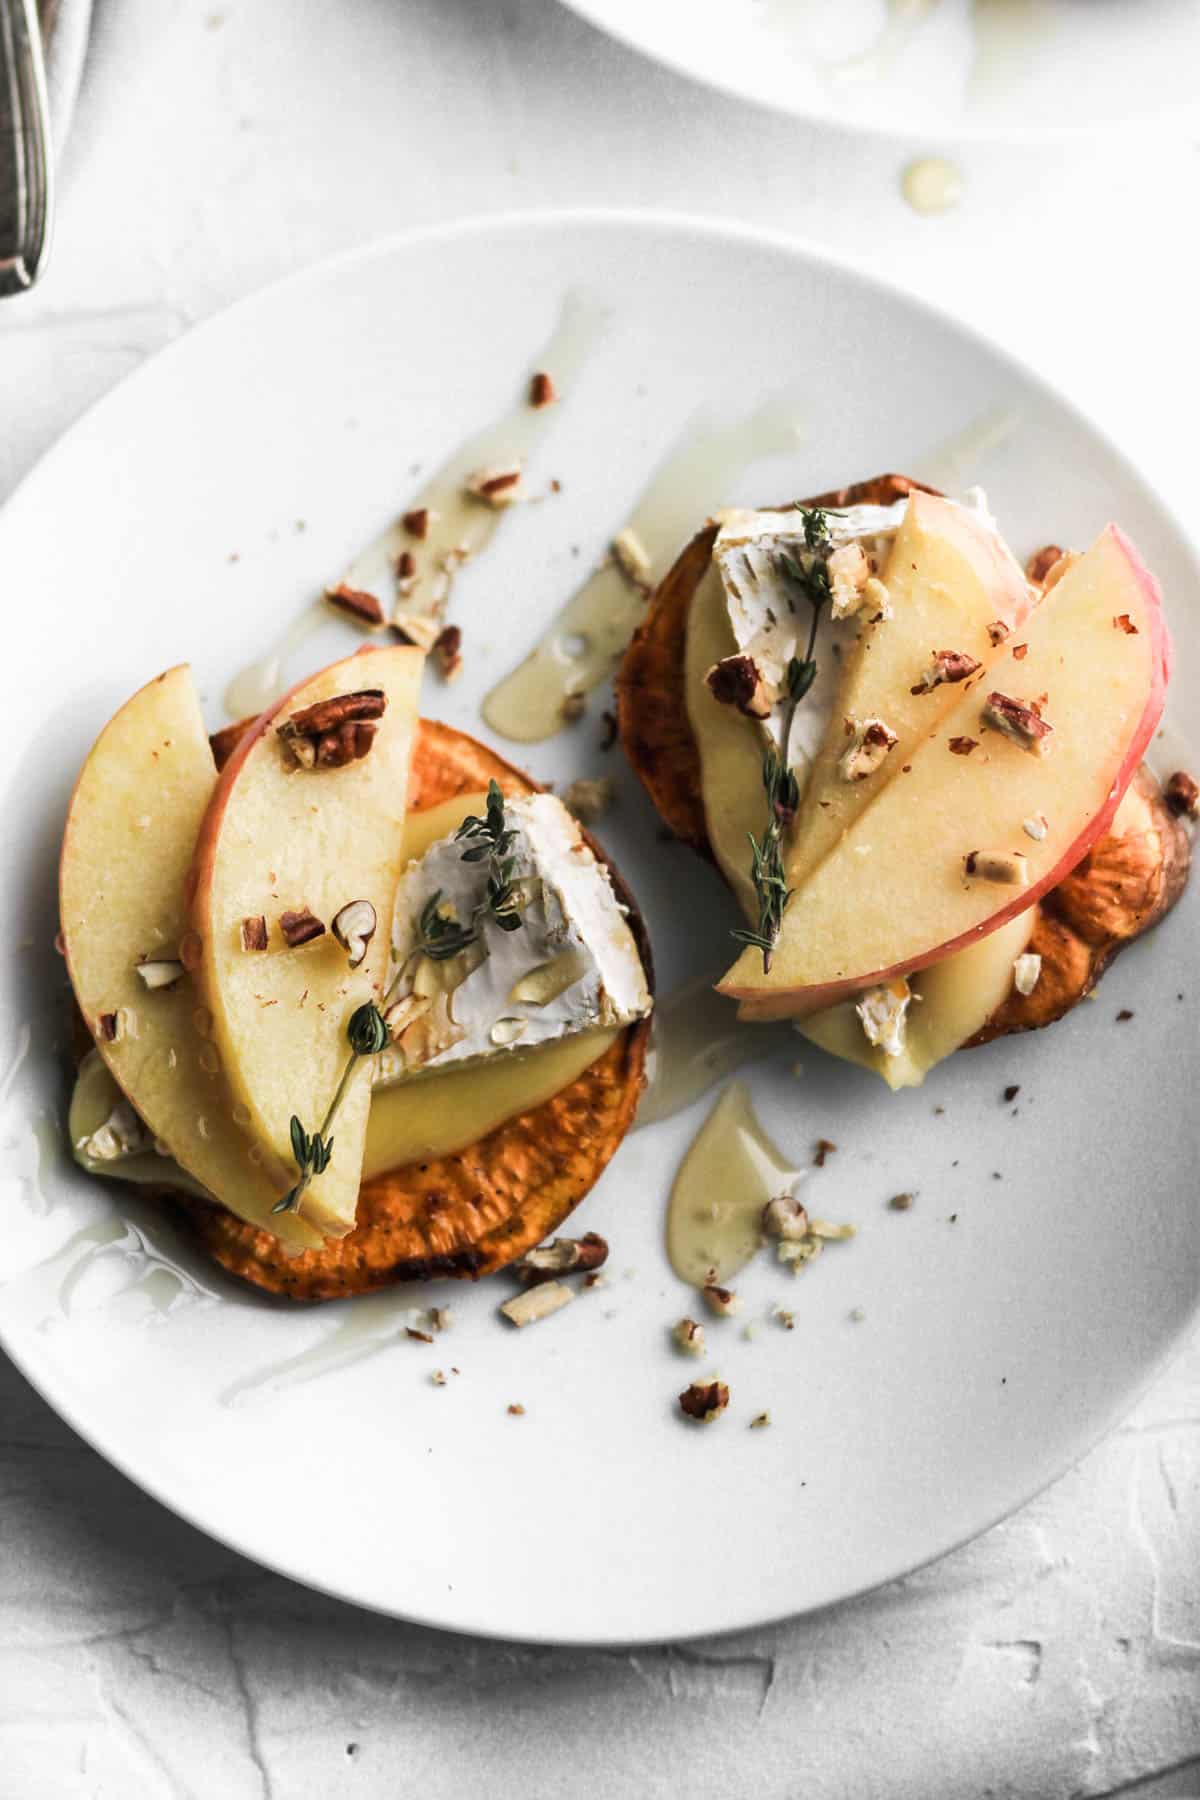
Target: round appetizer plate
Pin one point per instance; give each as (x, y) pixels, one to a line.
(959, 68)
(946, 1363)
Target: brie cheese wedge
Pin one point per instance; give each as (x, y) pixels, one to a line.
(771, 620)
(572, 963)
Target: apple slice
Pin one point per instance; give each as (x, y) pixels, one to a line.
(950, 579)
(130, 834)
(943, 856)
(285, 839)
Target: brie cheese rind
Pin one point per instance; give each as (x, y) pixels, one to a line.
(771, 623)
(573, 964)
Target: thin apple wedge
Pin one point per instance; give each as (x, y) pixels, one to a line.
(997, 805)
(130, 834)
(307, 817)
(954, 586)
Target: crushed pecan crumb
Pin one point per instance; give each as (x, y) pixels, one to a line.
(1124, 1015)
(1008, 868)
(254, 933)
(1182, 795)
(301, 927)
(497, 487)
(963, 746)
(406, 568)
(1020, 723)
(997, 631)
(871, 742)
(737, 681)
(356, 602)
(704, 1401)
(688, 1336)
(1011, 1092)
(901, 1202)
(573, 708)
(542, 391)
(1124, 623)
(1020, 652)
(784, 1217)
(447, 652)
(760, 1420)
(823, 1149)
(563, 1256)
(108, 1027)
(536, 1303)
(947, 666)
(721, 1300)
(416, 522)
(421, 1337)
(785, 1318)
(516, 1410)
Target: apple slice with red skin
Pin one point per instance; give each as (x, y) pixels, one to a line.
(279, 839)
(896, 894)
(951, 580)
(127, 847)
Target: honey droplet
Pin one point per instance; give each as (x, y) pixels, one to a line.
(202, 1019)
(210, 1062)
(191, 948)
(254, 1155)
(241, 1114)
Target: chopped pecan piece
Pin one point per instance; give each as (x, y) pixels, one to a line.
(416, 522)
(542, 391)
(447, 652)
(737, 681)
(536, 1303)
(332, 733)
(962, 746)
(1020, 652)
(406, 569)
(868, 749)
(357, 603)
(947, 665)
(1041, 562)
(1018, 722)
(497, 487)
(108, 1027)
(1006, 867)
(300, 927)
(254, 933)
(998, 631)
(704, 1401)
(784, 1217)
(564, 1256)
(849, 572)
(1124, 623)
(1182, 795)
(721, 1300)
(688, 1336)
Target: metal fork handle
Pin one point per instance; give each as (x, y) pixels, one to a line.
(23, 100)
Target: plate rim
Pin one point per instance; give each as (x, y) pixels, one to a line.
(817, 257)
(948, 133)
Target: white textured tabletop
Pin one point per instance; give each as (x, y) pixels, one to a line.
(216, 145)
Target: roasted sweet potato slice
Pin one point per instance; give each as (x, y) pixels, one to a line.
(1121, 888)
(471, 1213)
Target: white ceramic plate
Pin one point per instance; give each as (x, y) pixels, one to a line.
(946, 68)
(1007, 1322)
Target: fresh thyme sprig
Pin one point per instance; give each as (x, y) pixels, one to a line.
(438, 937)
(492, 842)
(767, 870)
